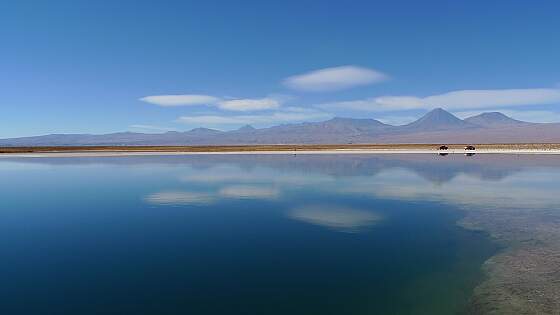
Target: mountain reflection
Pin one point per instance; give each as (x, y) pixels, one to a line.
(507, 181)
(523, 190)
(458, 181)
(433, 168)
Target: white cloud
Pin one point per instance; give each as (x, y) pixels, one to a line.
(180, 100)
(243, 104)
(377, 104)
(463, 99)
(249, 104)
(284, 116)
(336, 78)
(496, 98)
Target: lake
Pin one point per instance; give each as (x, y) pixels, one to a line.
(253, 234)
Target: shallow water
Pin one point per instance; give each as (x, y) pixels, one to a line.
(252, 234)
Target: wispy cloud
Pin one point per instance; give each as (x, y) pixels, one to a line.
(376, 104)
(180, 100)
(334, 79)
(249, 104)
(241, 104)
(150, 128)
(284, 116)
(455, 100)
(538, 116)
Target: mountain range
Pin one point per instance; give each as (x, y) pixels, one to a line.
(437, 126)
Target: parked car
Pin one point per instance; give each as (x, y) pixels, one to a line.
(443, 147)
(470, 148)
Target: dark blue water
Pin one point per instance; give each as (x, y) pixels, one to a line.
(247, 234)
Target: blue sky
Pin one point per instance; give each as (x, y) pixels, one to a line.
(150, 66)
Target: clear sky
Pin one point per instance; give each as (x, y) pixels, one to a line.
(149, 66)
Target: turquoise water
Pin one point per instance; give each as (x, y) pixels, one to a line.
(248, 234)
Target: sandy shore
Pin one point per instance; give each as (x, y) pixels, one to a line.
(284, 152)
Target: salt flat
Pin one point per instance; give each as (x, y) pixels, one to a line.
(284, 152)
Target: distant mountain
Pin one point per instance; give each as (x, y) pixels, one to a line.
(437, 126)
(246, 128)
(494, 119)
(203, 131)
(337, 130)
(436, 120)
(340, 124)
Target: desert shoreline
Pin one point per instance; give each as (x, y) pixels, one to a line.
(306, 152)
(101, 151)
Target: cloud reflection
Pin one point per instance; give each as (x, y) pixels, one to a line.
(249, 192)
(234, 175)
(508, 182)
(176, 198)
(342, 219)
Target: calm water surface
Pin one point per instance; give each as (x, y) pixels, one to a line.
(249, 234)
